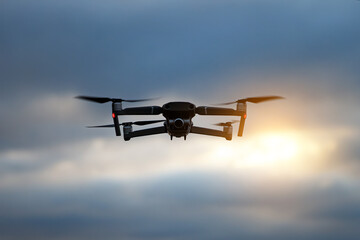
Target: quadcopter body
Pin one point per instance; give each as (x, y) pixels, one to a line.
(178, 117)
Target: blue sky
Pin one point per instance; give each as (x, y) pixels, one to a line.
(294, 174)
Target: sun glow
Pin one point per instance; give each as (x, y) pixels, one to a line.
(272, 148)
(285, 151)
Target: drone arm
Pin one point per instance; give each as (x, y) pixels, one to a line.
(116, 124)
(151, 110)
(209, 132)
(241, 126)
(145, 132)
(203, 110)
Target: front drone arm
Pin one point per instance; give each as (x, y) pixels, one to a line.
(203, 110)
(144, 132)
(240, 111)
(210, 132)
(150, 110)
(117, 110)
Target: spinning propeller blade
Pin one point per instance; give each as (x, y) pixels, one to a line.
(102, 126)
(253, 100)
(222, 124)
(105, 99)
(139, 123)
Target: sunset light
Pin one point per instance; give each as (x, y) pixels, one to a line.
(286, 152)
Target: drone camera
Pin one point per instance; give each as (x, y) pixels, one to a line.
(179, 123)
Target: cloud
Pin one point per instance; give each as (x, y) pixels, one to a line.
(288, 152)
(60, 180)
(42, 119)
(183, 206)
(183, 45)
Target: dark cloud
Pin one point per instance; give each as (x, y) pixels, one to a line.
(186, 206)
(75, 46)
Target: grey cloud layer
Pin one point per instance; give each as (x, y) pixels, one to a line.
(186, 206)
(61, 47)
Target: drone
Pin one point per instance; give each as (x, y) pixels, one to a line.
(178, 117)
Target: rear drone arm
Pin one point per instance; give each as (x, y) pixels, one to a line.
(211, 132)
(145, 132)
(240, 111)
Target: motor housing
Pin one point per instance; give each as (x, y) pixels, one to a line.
(228, 132)
(127, 129)
(241, 107)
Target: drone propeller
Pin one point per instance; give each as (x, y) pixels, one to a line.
(223, 124)
(105, 99)
(139, 123)
(102, 126)
(253, 100)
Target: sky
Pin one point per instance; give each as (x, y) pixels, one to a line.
(294, 174)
